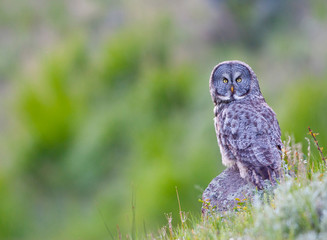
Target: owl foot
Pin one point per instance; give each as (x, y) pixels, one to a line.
(260, 175)
(256, 180)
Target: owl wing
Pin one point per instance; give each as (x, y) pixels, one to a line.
(252, 134)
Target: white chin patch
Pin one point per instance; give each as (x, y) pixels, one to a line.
(224, 98)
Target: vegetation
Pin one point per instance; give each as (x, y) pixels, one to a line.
(295, 209)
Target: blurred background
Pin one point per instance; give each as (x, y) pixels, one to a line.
(105, 105)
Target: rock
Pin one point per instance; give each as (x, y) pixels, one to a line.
(222, 191)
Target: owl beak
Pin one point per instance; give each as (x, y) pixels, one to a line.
(232, 89)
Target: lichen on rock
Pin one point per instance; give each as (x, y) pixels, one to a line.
(223, 190)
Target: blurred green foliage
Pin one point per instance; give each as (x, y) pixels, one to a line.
(94, 117)
(307, 108)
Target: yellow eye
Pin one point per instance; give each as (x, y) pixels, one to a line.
(225, 80)
(239, 80)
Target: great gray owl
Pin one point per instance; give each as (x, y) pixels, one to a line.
(247, 130)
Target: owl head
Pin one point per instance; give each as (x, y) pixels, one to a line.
(233, 81)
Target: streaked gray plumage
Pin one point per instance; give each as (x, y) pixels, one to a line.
(247, 130)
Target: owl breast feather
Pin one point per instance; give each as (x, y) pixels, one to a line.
(249, 133)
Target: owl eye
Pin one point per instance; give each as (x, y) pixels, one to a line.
(239, 80)
(225, 80)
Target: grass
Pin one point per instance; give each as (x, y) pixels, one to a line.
(295, 209)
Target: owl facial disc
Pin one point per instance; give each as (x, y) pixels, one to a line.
(233, 80)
